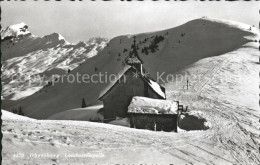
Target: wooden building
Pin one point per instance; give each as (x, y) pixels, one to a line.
(154, 114)
(133, 82)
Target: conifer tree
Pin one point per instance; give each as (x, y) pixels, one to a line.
(20, 112)
(83, 104)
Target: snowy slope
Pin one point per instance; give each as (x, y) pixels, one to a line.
(34, 59)
(98, 143)
(223, 76)
(81, 114)
(11, 116)
(181, 47)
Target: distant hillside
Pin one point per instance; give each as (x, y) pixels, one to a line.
(164, 52)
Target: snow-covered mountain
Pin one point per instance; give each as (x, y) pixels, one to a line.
(164, 52)
(219, 58)
(17, 30)
(34, 59)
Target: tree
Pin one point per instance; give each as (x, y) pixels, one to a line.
(146, 50)
(20, 112)
(83, 104)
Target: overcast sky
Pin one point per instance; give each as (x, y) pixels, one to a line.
(79, 21)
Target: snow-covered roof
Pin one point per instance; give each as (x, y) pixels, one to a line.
(133, 60)
(152, 106)
(157, 88)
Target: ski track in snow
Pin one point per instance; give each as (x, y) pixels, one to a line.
(231, 109)
(233, 137)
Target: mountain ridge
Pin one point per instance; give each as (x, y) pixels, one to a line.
(180, 47)
(25, 54)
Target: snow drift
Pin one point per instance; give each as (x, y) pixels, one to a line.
(80, 114)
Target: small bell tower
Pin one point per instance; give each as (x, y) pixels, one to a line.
(133, 58)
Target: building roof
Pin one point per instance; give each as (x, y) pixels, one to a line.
(146, 105)
(154, 85)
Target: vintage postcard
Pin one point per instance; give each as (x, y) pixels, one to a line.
(130, 82)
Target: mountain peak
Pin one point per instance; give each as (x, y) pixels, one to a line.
(58, 37)
(231, 23)
(15, 30)
(98, 40)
